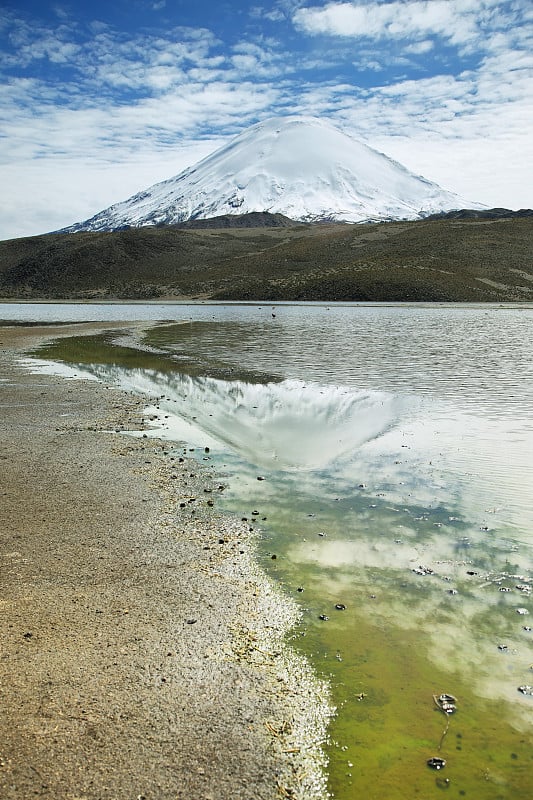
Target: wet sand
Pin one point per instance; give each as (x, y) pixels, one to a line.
(142, 651)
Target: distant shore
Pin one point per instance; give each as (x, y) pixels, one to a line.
(142, 649)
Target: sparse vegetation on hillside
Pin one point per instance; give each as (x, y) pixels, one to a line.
(448, 259)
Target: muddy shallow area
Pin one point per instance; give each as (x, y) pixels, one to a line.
(142, 651)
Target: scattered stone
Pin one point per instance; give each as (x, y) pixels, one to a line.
(446, 703)
(421, 570)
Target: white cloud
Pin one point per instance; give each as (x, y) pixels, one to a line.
(420, 47)
(51, 193)
(273, 15)
(478, 168)
(458, 21)
(245, 63)
(374, 20)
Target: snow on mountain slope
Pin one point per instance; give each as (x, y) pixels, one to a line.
(301, 167)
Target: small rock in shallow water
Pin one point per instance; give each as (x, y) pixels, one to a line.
(421, 570)
(436, 763)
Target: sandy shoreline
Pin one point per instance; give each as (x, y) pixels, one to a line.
(141, 648)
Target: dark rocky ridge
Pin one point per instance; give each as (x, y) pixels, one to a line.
(488, 213)
(255, 219)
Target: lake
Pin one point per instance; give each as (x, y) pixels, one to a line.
(394, 444)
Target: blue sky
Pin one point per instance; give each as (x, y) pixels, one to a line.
(99, 100)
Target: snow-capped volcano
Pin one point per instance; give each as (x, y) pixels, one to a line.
(301, 167)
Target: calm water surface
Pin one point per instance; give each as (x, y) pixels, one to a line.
(396, 447)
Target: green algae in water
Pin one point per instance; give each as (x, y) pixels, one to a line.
(101, 349)
(388, 724)
(396, 639)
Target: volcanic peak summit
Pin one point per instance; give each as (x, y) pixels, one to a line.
(302, 167)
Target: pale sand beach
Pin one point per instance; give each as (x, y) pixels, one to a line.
(142, 650)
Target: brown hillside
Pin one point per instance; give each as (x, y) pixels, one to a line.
(431, 260)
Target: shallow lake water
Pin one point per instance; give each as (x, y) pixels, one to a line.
(395, 450)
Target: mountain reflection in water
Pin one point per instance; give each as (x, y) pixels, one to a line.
(287, 425)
